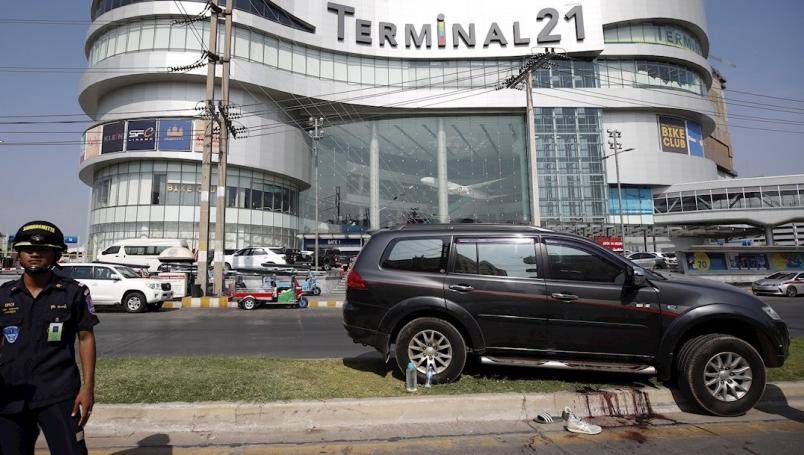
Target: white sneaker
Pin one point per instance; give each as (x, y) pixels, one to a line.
(576, 425)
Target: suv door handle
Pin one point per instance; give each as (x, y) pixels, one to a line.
(462, 288)
(565, 297)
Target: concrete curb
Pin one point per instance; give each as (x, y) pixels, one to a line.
(325, 303)
(118, 420)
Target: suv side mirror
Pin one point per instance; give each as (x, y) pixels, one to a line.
(635, 277)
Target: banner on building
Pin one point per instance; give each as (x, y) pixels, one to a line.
(695, 139)
(112, 141)
(199, 127)
(706, 262)
(681, 136)
(673, 135)
(141, 135)
(175, 135)
(612, 243)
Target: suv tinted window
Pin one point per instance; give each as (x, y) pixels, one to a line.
(416, 255)
(80, 272)
(573, 263)
(496, 257)
(111, 250)
(104, 273)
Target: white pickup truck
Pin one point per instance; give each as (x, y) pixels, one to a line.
(119, 285)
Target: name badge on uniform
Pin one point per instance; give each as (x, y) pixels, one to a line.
(11, 333)
(54, 331)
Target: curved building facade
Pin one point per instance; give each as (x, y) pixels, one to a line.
(416, 128)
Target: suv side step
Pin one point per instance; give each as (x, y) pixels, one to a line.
(569, 365)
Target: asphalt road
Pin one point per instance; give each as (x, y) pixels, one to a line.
(267, 331)
(791, 310)
(270, 332)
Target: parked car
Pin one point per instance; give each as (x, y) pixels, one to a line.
(654, 260)
(252, 258)
(513, 295)
(119, 285)
(790, 284)
(138, 252)
(333, 258)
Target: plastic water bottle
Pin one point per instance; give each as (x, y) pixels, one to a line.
(410, 377)
(429, 382)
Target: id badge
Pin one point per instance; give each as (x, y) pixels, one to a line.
(54, 331)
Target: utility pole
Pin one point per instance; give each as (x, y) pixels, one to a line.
(526, 75)
(206, 160)
(223, 156)
(316, 133)
(617, 148)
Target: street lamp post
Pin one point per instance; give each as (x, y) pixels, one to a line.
(616, 146)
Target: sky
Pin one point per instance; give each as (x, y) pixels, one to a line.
(765, 45)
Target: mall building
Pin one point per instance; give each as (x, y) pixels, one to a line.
(415, 127)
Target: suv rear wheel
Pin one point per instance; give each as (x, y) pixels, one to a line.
(722, 374)
(431, 342)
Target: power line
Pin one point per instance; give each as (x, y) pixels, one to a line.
(792, 100)
(385, 114)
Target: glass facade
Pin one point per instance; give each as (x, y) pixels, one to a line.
(606, 73)
(262, 8)
(487, 170)
(635, 201)
(652, 33)
(740, 198)
(572, 180)
(159, 199)
(160, 34)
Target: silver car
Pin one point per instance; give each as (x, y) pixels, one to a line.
(654, 260)
(790, 284)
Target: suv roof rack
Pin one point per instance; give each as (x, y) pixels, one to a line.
(467, 227)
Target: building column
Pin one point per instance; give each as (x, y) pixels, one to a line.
(769, 235)
(524, 179)
(443, 190)
(374, 178)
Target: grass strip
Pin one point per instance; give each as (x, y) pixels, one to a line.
(256, 379)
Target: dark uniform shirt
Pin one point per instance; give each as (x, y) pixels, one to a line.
(37, 359)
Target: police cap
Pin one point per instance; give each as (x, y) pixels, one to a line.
(40, 233)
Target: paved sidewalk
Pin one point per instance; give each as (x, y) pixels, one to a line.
(202, 424)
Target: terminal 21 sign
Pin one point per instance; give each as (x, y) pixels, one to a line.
(508, 28)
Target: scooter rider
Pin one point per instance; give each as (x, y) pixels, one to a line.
(41, 314)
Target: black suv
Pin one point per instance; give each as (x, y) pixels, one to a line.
(516, 295)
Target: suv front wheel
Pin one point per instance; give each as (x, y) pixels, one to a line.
(135, 302)
(722, 374)
(434, 343)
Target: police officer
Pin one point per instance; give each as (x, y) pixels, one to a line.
(41, 314)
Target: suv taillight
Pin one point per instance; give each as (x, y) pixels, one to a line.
(355, 281)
